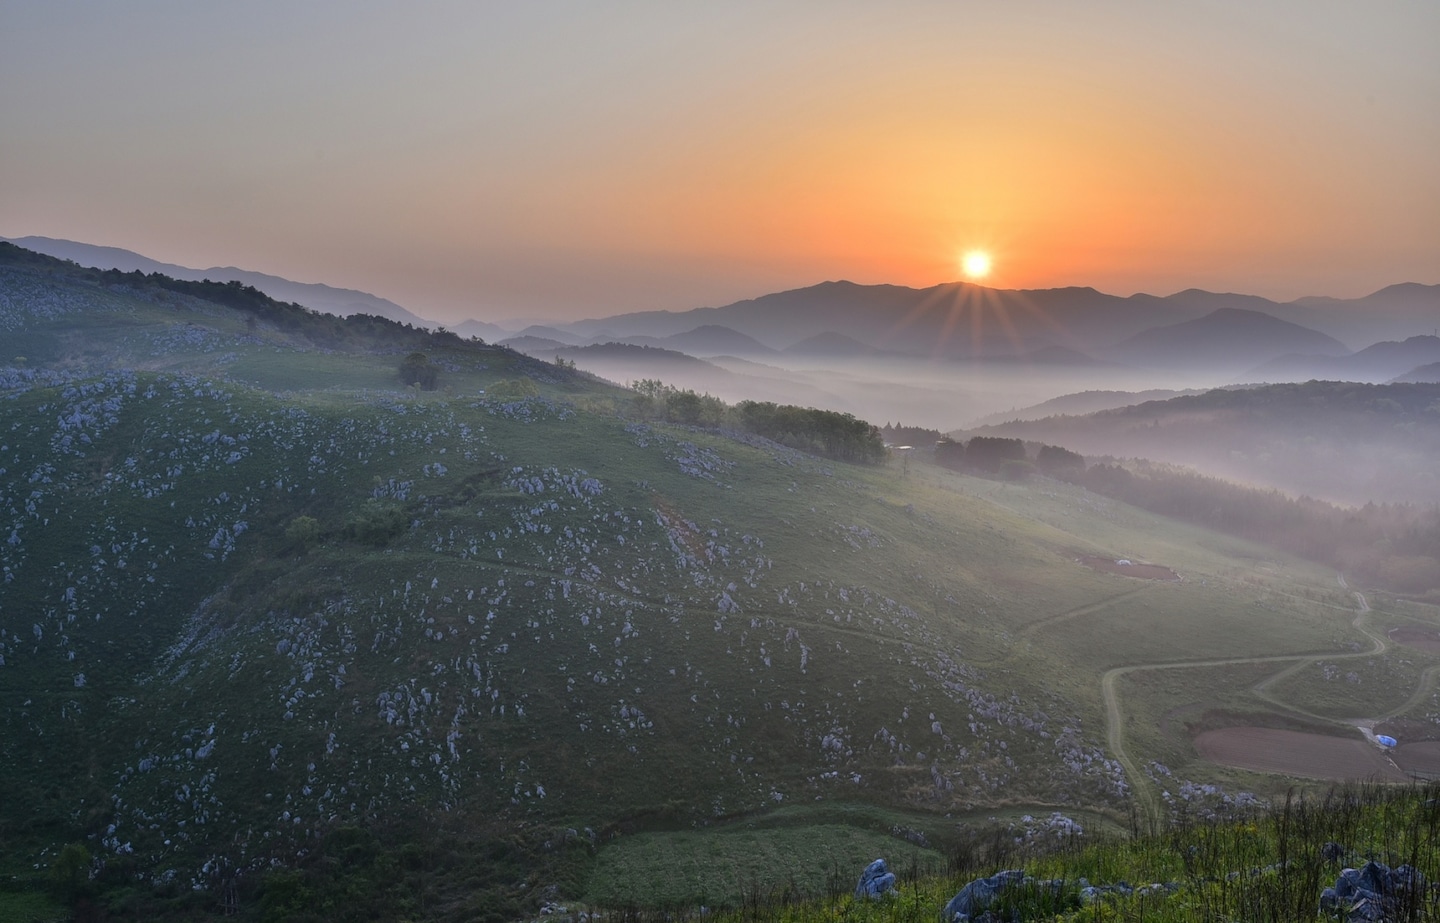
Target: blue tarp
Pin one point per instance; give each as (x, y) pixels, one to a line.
(1386, 741)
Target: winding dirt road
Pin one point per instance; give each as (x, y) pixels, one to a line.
(1144, 792)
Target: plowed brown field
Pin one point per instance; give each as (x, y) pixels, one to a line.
(1427, 639)
(1421, 757)
(1296, 753)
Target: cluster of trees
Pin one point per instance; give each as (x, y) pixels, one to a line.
(1008, 458)
(840, 436)
(992, 456)
(820, 432)
(657, 400)
(917, 436)
(418, 370)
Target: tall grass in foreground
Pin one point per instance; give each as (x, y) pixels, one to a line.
(1270, 865)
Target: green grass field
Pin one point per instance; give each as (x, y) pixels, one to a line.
(31, 907)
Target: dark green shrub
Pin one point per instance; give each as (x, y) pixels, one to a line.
(377, 522)
(302, 533)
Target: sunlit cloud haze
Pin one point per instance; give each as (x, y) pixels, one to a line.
(565, 160)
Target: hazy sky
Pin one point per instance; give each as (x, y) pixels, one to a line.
(498, 160)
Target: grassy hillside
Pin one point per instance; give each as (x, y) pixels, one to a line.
(280, 635)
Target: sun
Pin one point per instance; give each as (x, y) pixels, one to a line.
(976, 264)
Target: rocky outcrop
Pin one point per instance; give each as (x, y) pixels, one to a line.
(875, 882)
(1376, 892)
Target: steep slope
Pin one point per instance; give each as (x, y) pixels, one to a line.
(313, 295)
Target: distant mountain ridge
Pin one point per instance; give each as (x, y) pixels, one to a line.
(1425, 374)
(952, 320)
(963, 320)
(1377, 363)
(314, 295)
(1395, 312)
(1084, 402)
(714, 340)
(1225, 338)
(831, 344)
(1344, 442)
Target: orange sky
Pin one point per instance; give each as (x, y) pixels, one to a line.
(566, 160)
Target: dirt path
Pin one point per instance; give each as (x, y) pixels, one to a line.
(1422, 689)
(1144, 793)
(1380, 644)
(1078, 611)
(1115, 721)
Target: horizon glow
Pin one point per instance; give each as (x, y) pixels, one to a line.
(557, 160)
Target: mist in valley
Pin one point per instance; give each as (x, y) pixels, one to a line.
(1216, 420)
(944, 395)
(1365, 441)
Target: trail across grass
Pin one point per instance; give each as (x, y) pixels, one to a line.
(1144, 792)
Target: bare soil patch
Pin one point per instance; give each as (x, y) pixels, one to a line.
(1421, 758)
(1427, 639)
(1298, 753)
(1127, 568)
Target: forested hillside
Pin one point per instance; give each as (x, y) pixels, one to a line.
(1344, 442)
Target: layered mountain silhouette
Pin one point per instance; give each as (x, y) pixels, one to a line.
(1227, 338)
(533, 345)
(833, 345)
(1379, 362)
(1345, 442)
(954, 320)
(479, 328)
(544, 332)
(1083, 402)
(1395, 312)
(1425, 374)
(962, 320)
(714, 340)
